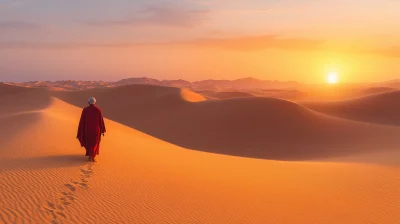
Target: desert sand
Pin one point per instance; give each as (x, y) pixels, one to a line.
(333, 171)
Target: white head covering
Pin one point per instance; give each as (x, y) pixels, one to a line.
(92, 100)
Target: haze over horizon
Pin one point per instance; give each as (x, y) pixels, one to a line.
(196, 40)
(111, 80)
(137, 77)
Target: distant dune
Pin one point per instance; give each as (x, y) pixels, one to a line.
(238, 84)
(226, 89)
(285, 94)
(44, 177)
(382, 108)
(375, 90)
(251, 127)
(135, 100)
(22, 99)
(6, 89)
(57, 88)
(191, 96)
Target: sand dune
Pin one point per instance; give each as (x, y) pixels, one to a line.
(298, 95)
(191, 96)
(141, 98)
(251, 127)
(285, 94)
(44, 178)
(225, 95)
(6, 89)
(382, 108)
(376, 90)
(20, 99)
(325, 92)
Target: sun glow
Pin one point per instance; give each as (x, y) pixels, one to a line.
(332, 78)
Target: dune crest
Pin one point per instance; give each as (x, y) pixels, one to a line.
(191, 96)
(382, 108)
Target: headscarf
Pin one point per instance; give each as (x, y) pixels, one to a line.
(92, 100)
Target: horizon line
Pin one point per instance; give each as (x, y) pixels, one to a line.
(201, 80)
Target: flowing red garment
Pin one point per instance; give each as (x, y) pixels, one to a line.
(91, 126)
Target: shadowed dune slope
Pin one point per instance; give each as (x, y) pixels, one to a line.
(225, 95)
(382, 108)
(132, 99)
(292, 95)
(16, 99)
(251, 127)
(6, 89)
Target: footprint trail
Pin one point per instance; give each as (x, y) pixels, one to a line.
(56, 210)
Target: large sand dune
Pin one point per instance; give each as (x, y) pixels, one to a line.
(292, 95)
(44, 177)
(382, 108)
(376, 90)
(251, 127)
(14, 99)
(225, 94)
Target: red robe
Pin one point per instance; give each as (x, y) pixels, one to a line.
(91, 126)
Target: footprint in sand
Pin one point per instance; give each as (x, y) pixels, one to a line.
(83, 184)
(54, 211)
(51, 205)
(86, 173)
(64, 201)
(68, 196)
(70, 187)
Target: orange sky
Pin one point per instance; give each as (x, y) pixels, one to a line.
(219, 39)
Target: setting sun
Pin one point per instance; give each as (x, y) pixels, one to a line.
(332, 78)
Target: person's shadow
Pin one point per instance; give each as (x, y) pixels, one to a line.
(43, 162)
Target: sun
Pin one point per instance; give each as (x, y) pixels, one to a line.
(332, 78)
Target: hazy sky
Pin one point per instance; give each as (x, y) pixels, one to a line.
(300, 40)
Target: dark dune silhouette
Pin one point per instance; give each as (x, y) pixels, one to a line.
(251, 127)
